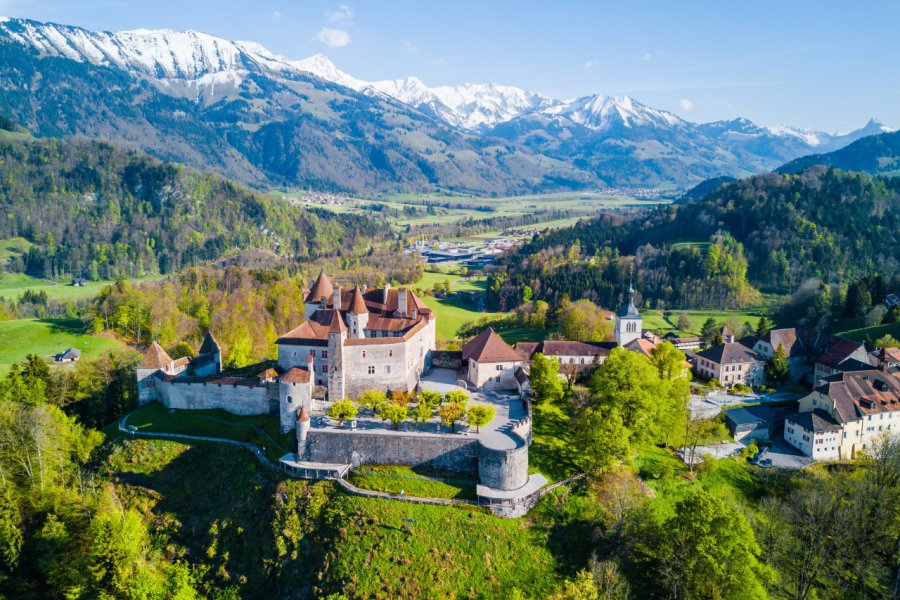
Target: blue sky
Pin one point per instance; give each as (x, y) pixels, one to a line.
(822, 64)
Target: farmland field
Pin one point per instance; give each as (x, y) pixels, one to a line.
(46, 337)
(654, 320)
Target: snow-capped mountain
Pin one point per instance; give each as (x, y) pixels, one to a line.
(604, 112)
(261, 117)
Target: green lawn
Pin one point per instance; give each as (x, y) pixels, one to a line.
(261, 430)
(453, 312)
(395, 479)
(874, 332)
(46, 337)
(654, 320)
(13, 285)
(16, 246)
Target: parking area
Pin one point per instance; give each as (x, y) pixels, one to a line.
(782, 454)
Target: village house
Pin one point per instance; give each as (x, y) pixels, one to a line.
(731, 363)
(812, 355)
(857, 406)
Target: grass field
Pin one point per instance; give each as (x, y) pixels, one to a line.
(453, 312)
(16, 246)
(654, 320)
(397, 479)
(46, 337)
(13, 285)
(260, 430)
(581, 204)
(861, 333)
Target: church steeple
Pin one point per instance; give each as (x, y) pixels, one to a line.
(629, 324)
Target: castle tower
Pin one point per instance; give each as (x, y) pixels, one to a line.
(211, 353)
(302, 434)
(357, 316)
(629, 323)
(321, 291)
(337, 333)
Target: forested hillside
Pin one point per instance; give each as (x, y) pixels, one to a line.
(770, 232)
(875, 154)
(98, 211)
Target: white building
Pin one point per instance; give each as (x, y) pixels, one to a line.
(629, 323)
(490, 363)
(814, 433)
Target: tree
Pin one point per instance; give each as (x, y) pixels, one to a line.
(601, 440)
(423, 412)
(629, 383)
(583, 321)
(708, 332)
(763, 326)
(684, 324)
(429, 398)
(393, 412)
(374, 400)
(544, 378)
(342, 410)
(887, 341)
(778, 367)
(450, 413)
(457, 397)
(480, 414)
(669, 361)
(708, 550)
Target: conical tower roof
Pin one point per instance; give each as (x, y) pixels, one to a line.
(155, 358)
(210, 345)
(303, 415)
(322, 288)
(358, 304)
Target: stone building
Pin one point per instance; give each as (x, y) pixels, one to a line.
(731, 363)
(360, 339)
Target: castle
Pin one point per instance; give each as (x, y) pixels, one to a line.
(356, 339)
(353, 339)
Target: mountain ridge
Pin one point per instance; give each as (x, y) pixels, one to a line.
(265, 119)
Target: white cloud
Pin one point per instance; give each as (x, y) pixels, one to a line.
(343, 13)
(685, 104)
(440, 61)
(410, 47)
(333, 38)
(592, 65)
(647, 56)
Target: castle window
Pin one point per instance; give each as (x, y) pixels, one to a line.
(324, 353)
(371, 370)
(387, 368)
(324, 368)
(390, 352)
(290, 400)
(364, 354)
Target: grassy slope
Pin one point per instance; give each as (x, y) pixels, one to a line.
(212, 505)
(396, 479)
(46, 337)
(654, 320)
(13, 285)
(260, 430)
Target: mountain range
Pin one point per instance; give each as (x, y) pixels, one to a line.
(239, 109)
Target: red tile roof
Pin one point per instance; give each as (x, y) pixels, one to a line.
(155, 358)
(859, 393)
(322, 288)
(358, 305)
(487, 346)
(295, 375)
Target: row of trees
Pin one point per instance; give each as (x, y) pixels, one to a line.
(451, 408)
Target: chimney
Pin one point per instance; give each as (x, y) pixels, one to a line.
(309, 364)
(337, 298)
(401, 301)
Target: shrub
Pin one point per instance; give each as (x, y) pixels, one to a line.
(430, 398)
(342, 410)
(373, 400)
(457, 397)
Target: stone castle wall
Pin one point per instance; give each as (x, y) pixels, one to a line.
(236, 399)
(499, 469)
